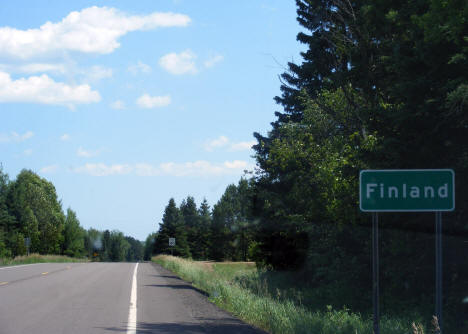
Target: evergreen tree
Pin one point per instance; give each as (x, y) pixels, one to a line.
(172, 227)
(231, 229)
(204, 236)
(188, 209)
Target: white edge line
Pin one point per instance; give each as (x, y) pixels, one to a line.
(21, 265)
(132, 312)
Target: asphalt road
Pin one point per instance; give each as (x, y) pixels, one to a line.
(97, 298)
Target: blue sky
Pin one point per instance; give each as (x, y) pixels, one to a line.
(125, 104)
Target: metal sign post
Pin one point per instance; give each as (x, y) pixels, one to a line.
(375, 271)
(438, 284)
(407, 190)
(172, 244)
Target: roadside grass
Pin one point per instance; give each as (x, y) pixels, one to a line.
(230, 286)
(38, 258)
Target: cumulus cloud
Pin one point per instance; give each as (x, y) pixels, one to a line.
(197, 168)
(65, 137)
(91, 30)
(219, 142)
(213, 61)
(101, 169)
(96, 73)
(81, 152)
(225, 142)
(242, 146)
(118, 104)
(42, 89)
(49, 169)
(139, 68)
(15, 137)
(146, 101)
(86, 74)
(35, 68)
(181, 63)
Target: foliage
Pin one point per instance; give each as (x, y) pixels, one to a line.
(38, 258)
(268, 311)
(73, 244)
(172, 227)
(381, 85)
(30, 210)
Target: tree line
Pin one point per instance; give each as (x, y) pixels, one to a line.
(381, 85)
(201, 233)
(32, 219)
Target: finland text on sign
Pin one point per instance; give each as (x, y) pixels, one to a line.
(407, 190)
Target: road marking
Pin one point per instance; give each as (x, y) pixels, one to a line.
(3, 283)
(45, 273)
(21, 265)
(132, 312)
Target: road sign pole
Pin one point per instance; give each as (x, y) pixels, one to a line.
(438, 247)
(375, 271)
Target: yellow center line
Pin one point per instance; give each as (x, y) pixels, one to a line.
(45, 273)
(3, 283)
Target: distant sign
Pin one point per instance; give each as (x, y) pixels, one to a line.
(171, 241)
(27, 242)
(407, 190)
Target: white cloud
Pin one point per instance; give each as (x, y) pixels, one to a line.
(42, 89)
(139, 68)
(65, 137)
(182, 63)
(91, 30)
(87, 74)
(35, 68)
(196, 168)
(219, 142)
(213, 61)
(202, 168)
(118, 104)
(148, 102)
(101, 169)
(225, 142)
(81, 152)
(242, 146)
(15, 137)
(49, 169)
(96, 73)
(28, 151)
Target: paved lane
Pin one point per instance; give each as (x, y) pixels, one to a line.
(95, 298)
(167, 304)
(86, 298)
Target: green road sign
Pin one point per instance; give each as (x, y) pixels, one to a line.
(407, 190)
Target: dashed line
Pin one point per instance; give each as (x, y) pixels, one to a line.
(132, 312)
(3, 283)
(45, 273)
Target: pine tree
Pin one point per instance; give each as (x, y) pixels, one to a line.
(204, 236)
(172, 227)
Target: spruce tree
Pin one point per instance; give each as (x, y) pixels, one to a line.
(172, 227)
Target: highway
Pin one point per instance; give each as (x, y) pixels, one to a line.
(106, 298)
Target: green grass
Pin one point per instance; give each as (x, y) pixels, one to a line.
(230, 286)
(37, 258)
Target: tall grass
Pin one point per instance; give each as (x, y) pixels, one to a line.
(227, 288)
(38, 258)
